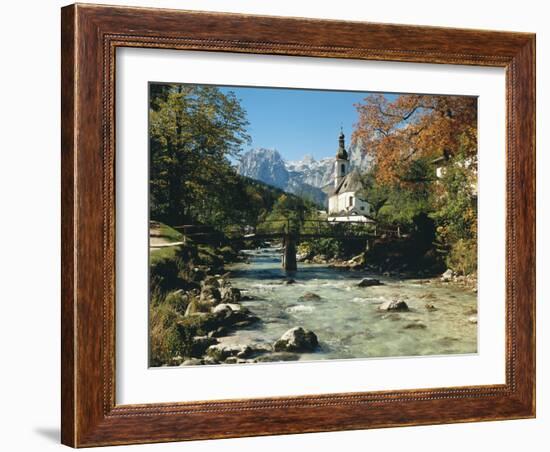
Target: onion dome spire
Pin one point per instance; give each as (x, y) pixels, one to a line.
(341, 153)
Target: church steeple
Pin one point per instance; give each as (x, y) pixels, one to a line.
(342, 161)
(341, 154)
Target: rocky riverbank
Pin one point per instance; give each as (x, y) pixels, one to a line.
(359, 263)
(213, 313)
(257, 313)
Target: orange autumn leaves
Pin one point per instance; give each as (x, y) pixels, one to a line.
(397, 132)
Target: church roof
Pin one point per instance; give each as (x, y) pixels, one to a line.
(350, 182)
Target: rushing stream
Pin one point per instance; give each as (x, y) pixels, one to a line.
(347, 320)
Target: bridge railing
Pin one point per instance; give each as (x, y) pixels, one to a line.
(285, 226)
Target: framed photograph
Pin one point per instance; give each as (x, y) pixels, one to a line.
(281, 225)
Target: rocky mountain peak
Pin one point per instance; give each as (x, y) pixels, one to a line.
(305, 177)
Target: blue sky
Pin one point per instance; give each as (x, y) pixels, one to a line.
(298, 122)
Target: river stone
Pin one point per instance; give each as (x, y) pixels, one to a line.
(229, 314)
(200, 344)
(320, 259)
(230, 294)
(309, 296)
(177, 360)
(394, 305)
(218, 332)
(210, 360)
(192, 362)
(430, 307)
(289, 281)
(210, 294)
(211, 281)
(233, 307)
(368, 282)
(279, 356)
(415, 326)
(473, 319)
(447, 276)
(221, 352)
(198, 307)
(301, 257)
(297, 340)
(249, 320)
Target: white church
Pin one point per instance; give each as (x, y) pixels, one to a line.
(344, 204)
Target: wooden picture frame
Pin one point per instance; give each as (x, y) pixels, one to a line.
(90, 36)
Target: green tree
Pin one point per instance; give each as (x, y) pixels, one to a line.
(456, 212)
(194, 132)
(397, 203)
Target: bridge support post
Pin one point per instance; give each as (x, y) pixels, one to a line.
(289, 254)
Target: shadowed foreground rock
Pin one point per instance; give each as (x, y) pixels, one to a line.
(297, 340)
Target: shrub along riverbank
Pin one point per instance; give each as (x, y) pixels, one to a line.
(177, 276)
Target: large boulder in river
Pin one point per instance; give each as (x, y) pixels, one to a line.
(230, 307)
(447, 276)
(297, 340)
(394, 305)
(368, 282)
(231, 314)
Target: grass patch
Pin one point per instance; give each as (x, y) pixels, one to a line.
(169, 233)
(157, 255)
(165, 339)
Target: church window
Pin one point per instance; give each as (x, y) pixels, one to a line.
(351, 201)
(343, 169)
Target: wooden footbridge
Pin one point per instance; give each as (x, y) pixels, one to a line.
(290, 232)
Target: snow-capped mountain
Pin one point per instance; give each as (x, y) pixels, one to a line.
(265, 165)
(312, 172)
(320, 173)
(306, 177)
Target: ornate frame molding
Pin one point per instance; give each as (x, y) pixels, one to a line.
(90, 37)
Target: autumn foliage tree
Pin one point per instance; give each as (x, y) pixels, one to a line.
(398, 132)
(407, 137)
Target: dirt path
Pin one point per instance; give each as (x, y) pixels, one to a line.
(161, 242)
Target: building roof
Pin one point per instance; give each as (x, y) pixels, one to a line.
(350, 182)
